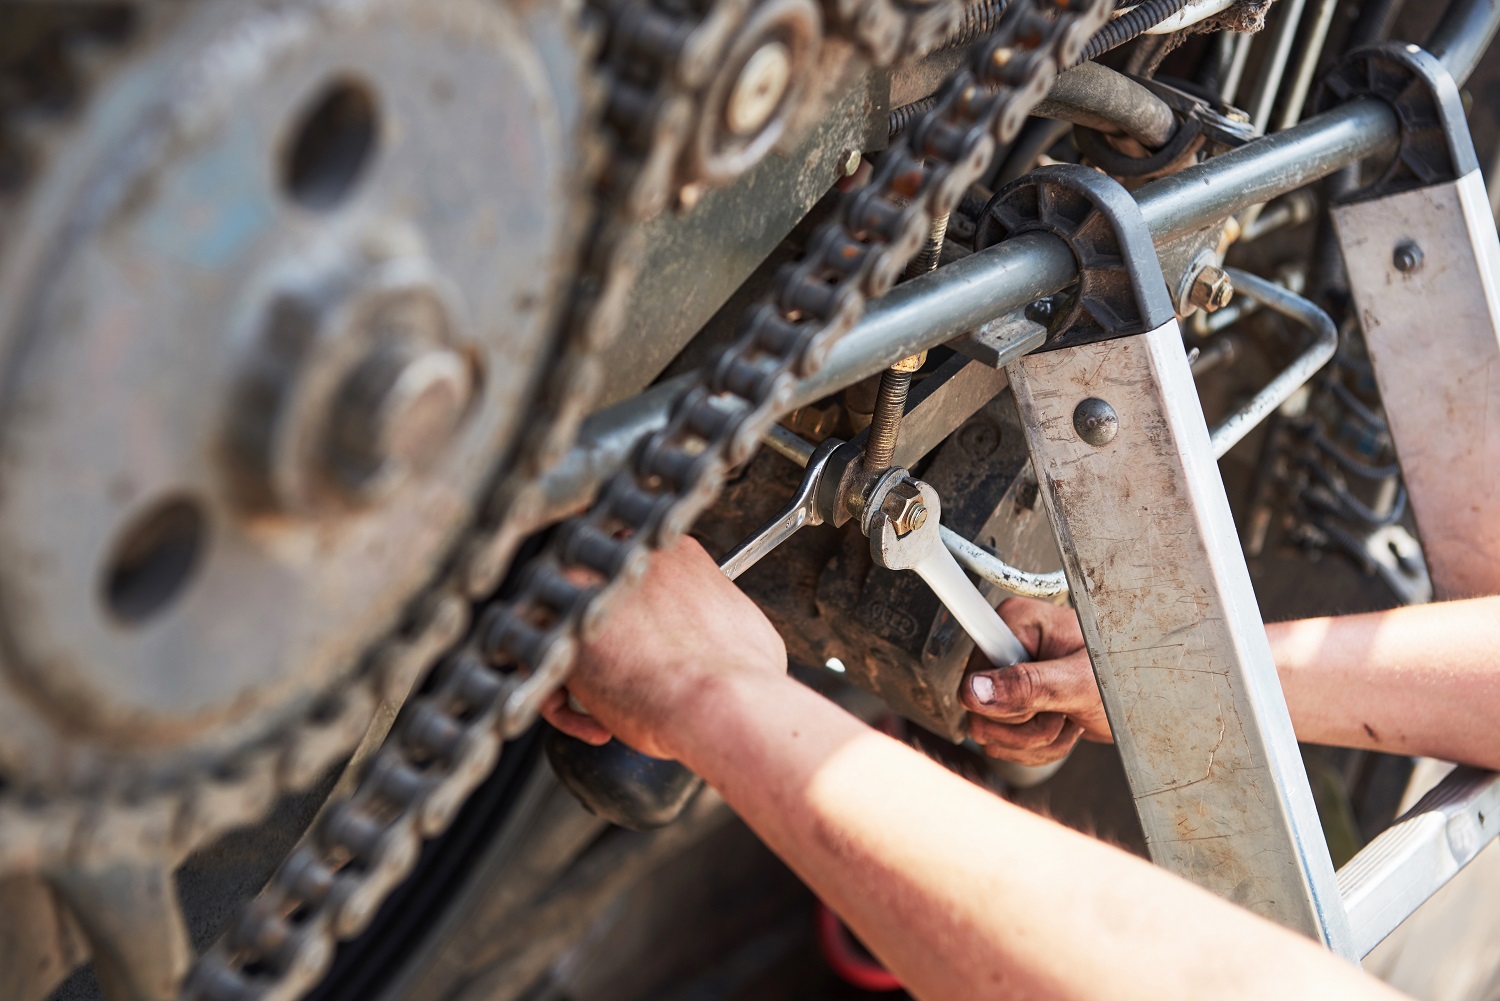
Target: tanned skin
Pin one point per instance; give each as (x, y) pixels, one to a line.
(1421, 680)
(962, 895)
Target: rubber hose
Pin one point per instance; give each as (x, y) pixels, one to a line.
(1129, 25)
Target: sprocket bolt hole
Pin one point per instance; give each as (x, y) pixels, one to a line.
(154, 559)
(331, 146)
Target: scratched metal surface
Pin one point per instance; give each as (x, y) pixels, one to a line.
(1167, 608)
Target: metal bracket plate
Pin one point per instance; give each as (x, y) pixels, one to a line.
(1172, 627)
(1431, 333)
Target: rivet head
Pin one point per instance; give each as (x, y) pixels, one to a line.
(1408, 257)
(1096, 422)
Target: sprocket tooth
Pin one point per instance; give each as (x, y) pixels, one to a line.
(131, 917)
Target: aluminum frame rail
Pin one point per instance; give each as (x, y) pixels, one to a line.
(1418, 854)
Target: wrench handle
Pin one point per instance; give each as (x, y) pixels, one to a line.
(954, 589)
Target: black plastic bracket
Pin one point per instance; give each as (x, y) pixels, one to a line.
(1121, 290)
(1435, 143)
(1202, 128)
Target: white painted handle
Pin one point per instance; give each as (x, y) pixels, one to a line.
(954, 589)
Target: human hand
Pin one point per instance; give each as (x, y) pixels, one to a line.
(682, 626)
(1033, 713)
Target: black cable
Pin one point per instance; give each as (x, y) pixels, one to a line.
(1129, 25)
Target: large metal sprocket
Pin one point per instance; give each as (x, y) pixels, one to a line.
(271, 339)
(450, 735)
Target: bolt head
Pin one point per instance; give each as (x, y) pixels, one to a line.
(849, 162)
(1096, 422)
(1408, 257)
(396, 413)
(1211, 289)
(762, 83)
(904, 506)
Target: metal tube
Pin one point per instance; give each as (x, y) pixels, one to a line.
(1279, 390)
(988, 567)
(1307, 64)
(1229, 86)
(1268, 167)
(935, 308)
(1288, 16)
(1466, 30)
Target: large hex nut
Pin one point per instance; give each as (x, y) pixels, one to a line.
(904, 506)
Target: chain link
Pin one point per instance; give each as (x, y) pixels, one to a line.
(654, 57)
(523, 647)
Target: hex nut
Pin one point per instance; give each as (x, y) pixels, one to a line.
(904, 506)
(1408, 257)
(1211, 289)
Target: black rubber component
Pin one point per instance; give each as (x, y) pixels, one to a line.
(1435, 143)
(623, 786)
(1130, 25)
(1120, 288)
(1202, 126)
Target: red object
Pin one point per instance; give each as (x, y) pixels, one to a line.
(847, 959)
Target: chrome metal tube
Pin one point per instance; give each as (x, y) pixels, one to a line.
(1307, 64)
(1286, 16)
(1278, 390)
(1461, 37)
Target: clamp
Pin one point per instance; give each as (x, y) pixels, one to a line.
(1121, 289)
(1435, 144)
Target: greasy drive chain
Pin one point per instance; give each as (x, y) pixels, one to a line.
(450, 734)
(524, 646)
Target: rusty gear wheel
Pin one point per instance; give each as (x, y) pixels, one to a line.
(269, 333)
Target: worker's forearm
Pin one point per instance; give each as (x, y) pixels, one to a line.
(1419, 680)
(963, 895)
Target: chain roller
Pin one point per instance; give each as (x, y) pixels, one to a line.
(653, 57)
(523, 647)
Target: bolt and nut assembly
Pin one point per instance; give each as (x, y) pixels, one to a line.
(1211, 289)
(904, 506)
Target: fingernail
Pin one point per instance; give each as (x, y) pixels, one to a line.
(983, 687)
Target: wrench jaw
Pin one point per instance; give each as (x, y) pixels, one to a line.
(888, 547)
(923, 552)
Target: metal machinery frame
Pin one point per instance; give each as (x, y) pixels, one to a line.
(1128, 475)
(1225, 804)
(1125, 466)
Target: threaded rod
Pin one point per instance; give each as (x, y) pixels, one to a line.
(932, 251)
(885, 424)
